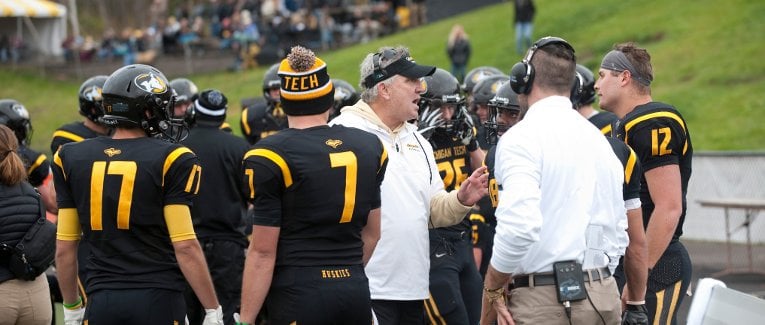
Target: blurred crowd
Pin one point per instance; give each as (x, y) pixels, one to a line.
(250, 30)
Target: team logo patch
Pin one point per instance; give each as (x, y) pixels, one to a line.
(341, 93)
(424, 85)
(21, 111)
(333, 143)
(111, 152)
(93, 94)
(151, 83)
(496, 85)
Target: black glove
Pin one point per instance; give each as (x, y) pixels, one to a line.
(635, 315)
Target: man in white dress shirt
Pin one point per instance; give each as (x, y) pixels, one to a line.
(560, 199)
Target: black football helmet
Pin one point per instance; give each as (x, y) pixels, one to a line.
(91, 99)
(583, 90)
(16, 117)
(485, 89)
(271, 80)
(345, 95)
(476, 75)
(506, 100)
(185, 90)
(442, 88)
(138, 95)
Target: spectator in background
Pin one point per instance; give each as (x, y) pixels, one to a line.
(5, 48)
(458, 48)
(24, 302)
(524, 24)
(418, 13)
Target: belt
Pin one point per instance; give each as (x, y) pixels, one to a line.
(547, 279)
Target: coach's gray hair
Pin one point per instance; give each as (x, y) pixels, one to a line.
(367, 67)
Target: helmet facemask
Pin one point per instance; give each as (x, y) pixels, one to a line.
(161, 123)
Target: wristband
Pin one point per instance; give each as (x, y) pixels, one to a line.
(639, 302)
(74, 305)
(494, 294)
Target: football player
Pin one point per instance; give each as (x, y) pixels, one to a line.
(316, 192)
(186, 92)
(128, 196)
(345, 95)
(633, 263)
(504, 112)
(659, 136)
(89, 107)
(263, 116)
(455, 285)
(219, 209)
(16, 117)
(482, 92)
(583, 96)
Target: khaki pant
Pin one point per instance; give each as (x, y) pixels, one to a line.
(25, 302)
(539, 305)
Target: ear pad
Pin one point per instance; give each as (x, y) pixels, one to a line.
(522, 73)
(521, 77)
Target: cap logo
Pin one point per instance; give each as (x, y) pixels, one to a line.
(150, 83)
(215, 98)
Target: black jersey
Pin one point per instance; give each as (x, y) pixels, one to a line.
(37, 165)
(318, 184)
(261, 119)
(659, 136)
(120, 188)
(220, 207)
(632, 171)
(453, 163)
(72, 132)
(603, 121)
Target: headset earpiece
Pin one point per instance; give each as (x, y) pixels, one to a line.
(522, 73)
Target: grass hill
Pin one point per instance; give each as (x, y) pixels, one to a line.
(707, 60)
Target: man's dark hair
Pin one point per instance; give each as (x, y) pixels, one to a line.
(554, 68)
(640, 59)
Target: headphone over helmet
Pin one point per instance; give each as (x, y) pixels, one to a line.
(139, 96)
(90, 98)
(16, 117)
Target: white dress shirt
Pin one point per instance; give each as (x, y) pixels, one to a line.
(559, 181)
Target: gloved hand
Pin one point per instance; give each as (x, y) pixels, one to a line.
(238, 320)
(635, 315)
(74, 316)
(213, 316)
(429, 120)
(464, 126)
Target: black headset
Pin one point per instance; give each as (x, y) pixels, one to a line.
(522, 73)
